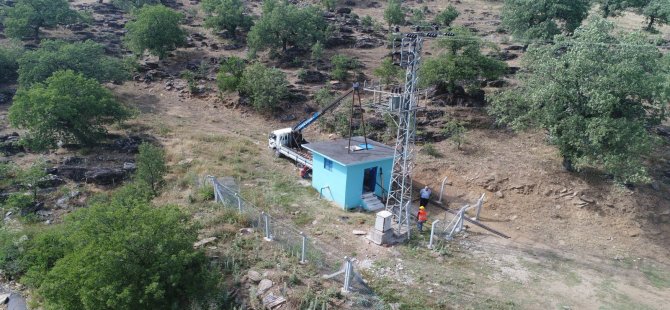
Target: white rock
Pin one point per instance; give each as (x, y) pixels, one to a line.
(254, 275)
(203, 242)
(263, 287)
(359, 232)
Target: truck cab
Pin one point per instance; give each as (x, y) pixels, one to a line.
(286, 138)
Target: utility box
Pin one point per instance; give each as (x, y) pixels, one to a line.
(383, 221)
(394, 103)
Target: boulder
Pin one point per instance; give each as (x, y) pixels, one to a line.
(50, 181)
(73, 160)
(312, 76)
(254, 276)
(76, 174)
(129, 166)
(263, 287)
(367, 42)
(343, 10)
(343, 40)
(32, 209)
(105, 176)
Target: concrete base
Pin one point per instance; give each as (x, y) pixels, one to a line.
(379, 237)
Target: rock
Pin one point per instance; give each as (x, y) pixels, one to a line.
(263, 287)
(336, 41)
(76, 174)
(203, 242)
(500, 194)
(514, 48)
(130, 144)
(663, 131)
(367, 42)
(185, 162)
(50, 181)
(343, 11)
(496, 83)
(512, 70)
(105, 176)
(44, 213)
(4, 298)
(587, 199)
(254, 276)
(312, 76)
(4, 160)
(129, 166)
(655, 186)
(359, 232)
(32, 209)
(73, 160)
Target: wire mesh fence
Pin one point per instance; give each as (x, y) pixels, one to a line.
(305, 249)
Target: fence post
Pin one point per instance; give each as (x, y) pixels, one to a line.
(239, 203)
(480, 202)
(304, 248)
(432, 232)
(442, 190)
(268, 236)
(347, 274)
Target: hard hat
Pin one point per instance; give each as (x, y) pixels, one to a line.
(421, 207)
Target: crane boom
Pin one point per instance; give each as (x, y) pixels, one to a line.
(308, 121)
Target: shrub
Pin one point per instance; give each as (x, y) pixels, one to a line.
(226, 14)
(455, 131)
(156, 29)
(266, 86)
(26, 17)
(68, 107)
(87, 58)
(230, 74)
(151, 167)
(446, 17)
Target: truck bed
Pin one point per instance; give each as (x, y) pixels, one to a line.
(300, 156)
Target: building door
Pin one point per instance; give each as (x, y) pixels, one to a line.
(369, 179)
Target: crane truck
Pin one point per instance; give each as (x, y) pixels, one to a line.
(288, 141)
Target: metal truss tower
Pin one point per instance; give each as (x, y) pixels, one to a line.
(404, 106)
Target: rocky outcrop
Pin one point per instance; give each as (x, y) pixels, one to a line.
(105, 176)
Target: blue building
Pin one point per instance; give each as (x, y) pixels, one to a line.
(351, 177)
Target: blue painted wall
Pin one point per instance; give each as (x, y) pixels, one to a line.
(346, 182)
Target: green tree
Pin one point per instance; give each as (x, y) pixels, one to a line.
(31, 176)
(131, 4)
(151, 167)
(111, 256)
(230, 74)
(284, 24)
(393, 14)
(26, 17)
(542, 19)
(155, 28)
(317, 51)
(461, 62)
(387, 72)
(87, 58)
(328, 4)
(68, 107)
(656, 12)
(226, 15)
(446, 17)
(612, 7)
(266, 86)
(596, 94)
(341, 66)
(455, 131)
(9, 54)
(418, 17)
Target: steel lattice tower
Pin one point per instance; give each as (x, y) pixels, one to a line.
(408, 56)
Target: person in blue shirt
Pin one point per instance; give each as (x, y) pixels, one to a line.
(425, 195)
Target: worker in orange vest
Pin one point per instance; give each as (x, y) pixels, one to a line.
(422, 217)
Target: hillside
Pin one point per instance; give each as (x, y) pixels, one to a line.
(579, 240)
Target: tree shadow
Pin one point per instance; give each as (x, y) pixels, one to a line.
(145, 103)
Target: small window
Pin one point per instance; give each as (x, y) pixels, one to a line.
(327, 164)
